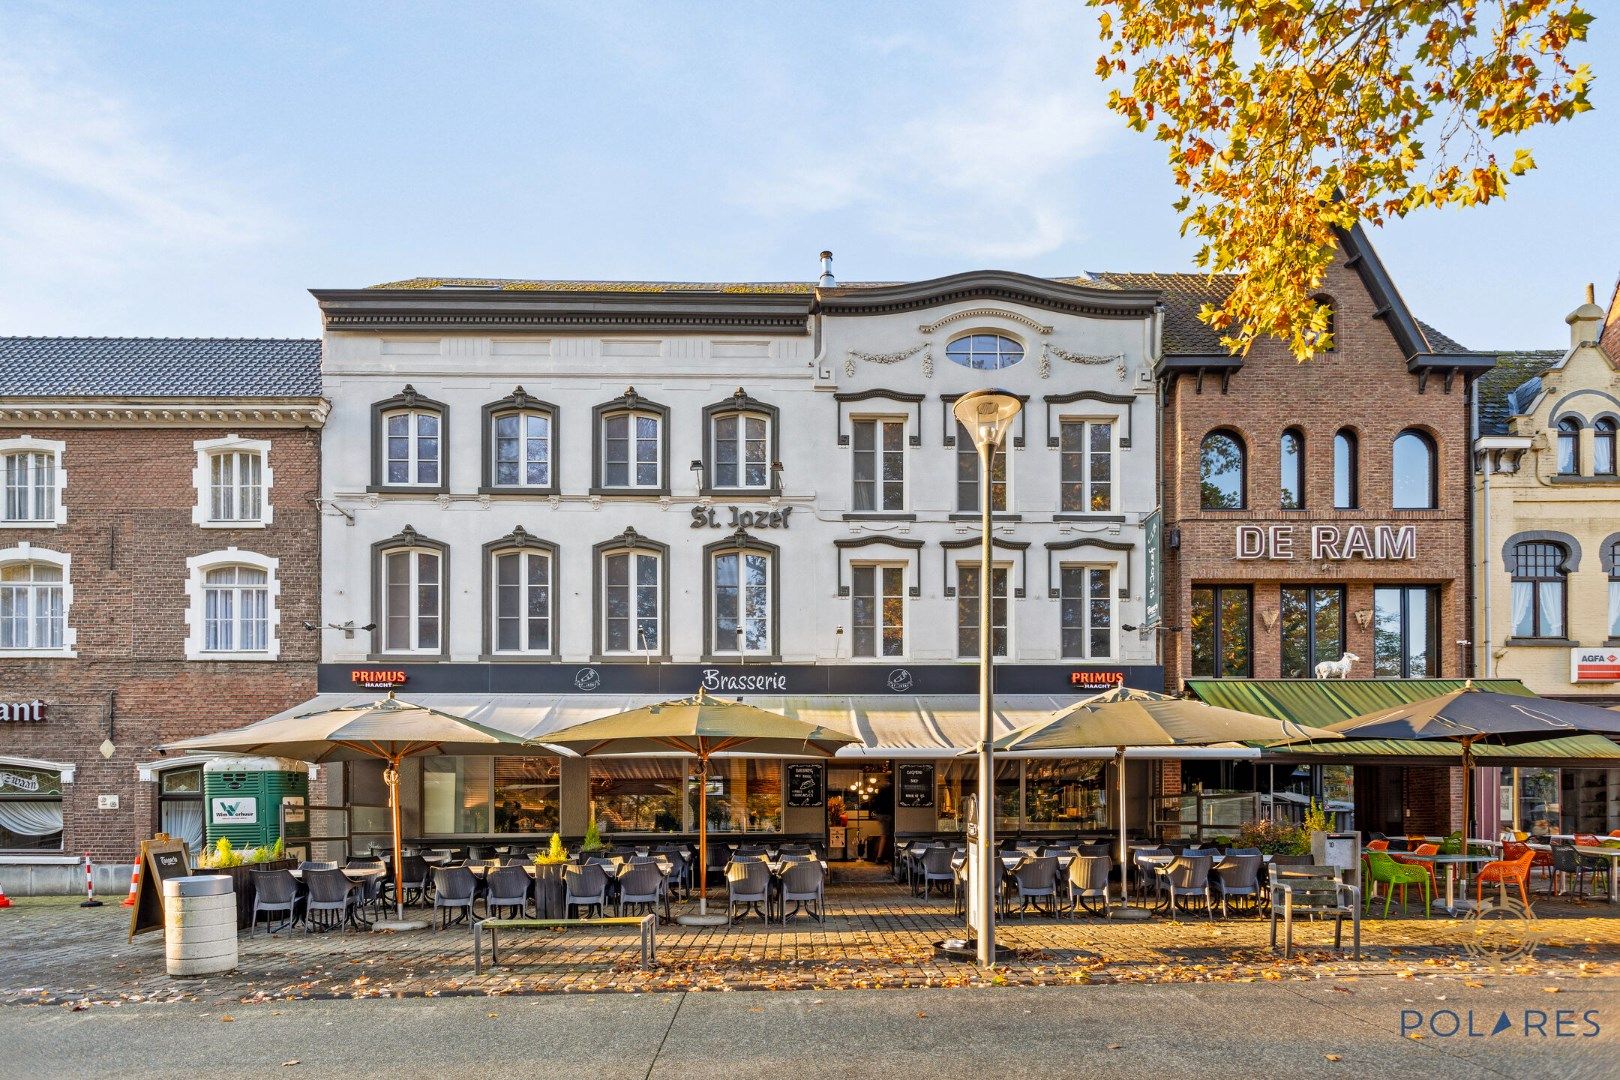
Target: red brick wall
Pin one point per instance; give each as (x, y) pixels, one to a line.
(129, 499)
(1363, 384)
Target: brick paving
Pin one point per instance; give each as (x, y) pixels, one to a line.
(876, 935)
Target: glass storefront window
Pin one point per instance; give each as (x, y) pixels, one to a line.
(525, 795)
(745, 795)
(1540, 811)
(1406, 632)
(640, 795)
(455, 795)
(1065, 794)
(1312, 629)
(1220, 622)
(1049, 787)
(30, 809)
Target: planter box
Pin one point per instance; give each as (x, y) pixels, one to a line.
(242, 882)
(548, 890)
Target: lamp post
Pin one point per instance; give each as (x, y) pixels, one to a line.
(986, 414)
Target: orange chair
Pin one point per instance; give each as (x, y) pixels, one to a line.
(1506, 872)
(1378, 845)
(1422, 849)
(1614, 833)
(1512, 851)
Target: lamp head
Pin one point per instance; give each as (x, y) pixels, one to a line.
(987, 414)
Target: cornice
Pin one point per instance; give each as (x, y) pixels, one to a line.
(1001, 286)
(164, 412)
(582, 311)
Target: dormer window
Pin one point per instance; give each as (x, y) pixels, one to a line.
(410, 444)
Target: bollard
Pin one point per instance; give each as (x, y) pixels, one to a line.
(199, 924)
(89, 884)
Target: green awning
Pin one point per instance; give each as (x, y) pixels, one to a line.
(1320, 702)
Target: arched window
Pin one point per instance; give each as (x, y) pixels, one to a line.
(1603, 432)
(409, 443)
(1539, 580)
(741, 453)
(33, 606)
(1292, 469)
(520, 444)
(1346, 472)
(409, 595)
(984, 352)
(1415, 480)
(1569, 447)
(1614, 589)
(632, 446)
(1222, 471)
(522, 594)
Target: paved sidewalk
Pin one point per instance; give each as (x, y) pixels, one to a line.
(879, 937)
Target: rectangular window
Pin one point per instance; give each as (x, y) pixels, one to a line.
(523, 601)
(967, 475)
(411, 601)
(525, 794)
(455, 795)
(236, 486)
(30, 809)
(742, 603)
(880, 465)
(236, 609)
(1086, 611)
(879, 615)
(967, 610)
(1406, 632)
(412, 448)
(1086, 464)
(1312, 628)
(639, 795)
(741, 441)
(631, 450)
(1221, 626)
(1065, 794)
(30, 487)
(630, 602)
(1614, 607)
(523, 450)
(745, 795)
(32, 609)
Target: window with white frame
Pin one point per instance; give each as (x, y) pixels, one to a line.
(1614, 590)
(739, 447)
(232, 613)
(521, 601)
(632, 448)
(967, 475)
(632, 601)
(880, 464)
(1086, 611)
(522, 446)
(1086, 466)
(967, 609)
(31, 475)
(878, 609)
(233, 480)
(741, 602)
(35, 596)
(411, 448)
(413, 599)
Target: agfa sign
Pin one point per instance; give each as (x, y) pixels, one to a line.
(1339, 543)
(1594, 665)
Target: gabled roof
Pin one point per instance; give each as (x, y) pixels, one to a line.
(1508, 388)
(65, 367)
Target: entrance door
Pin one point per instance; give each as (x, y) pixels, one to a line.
(860, 811)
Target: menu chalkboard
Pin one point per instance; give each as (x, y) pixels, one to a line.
(916, 785)
(804, 784)
(161, 858)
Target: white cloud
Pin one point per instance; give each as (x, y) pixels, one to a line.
(984, 170)
(89, 190)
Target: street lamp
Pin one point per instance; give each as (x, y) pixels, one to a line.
(986, 414)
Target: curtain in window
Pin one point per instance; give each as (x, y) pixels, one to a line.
(1552, 608)
(183, 820)
(29, 817)
(1523, 622)
(1614, 607)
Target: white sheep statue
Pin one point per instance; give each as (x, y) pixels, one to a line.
(1336, 669)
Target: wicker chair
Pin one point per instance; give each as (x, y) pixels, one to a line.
(1035, 880)
(1187, 876)
(642, 884)
(1238, 875)
(936, 869)
(331, 895)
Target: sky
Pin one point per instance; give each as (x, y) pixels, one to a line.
(193, 169)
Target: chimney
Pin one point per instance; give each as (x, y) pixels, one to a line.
(1586, 321)
(827, 280)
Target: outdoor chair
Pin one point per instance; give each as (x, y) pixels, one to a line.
(1238, 875)
(681, 867)
(1146, 872)
(1104, 849)
(643, 883)
(1377, 845)
(748, 883)
(1568, 863)
(936, 869)
(513, 860)
(414, 878)
(1506, 872)
(329, 901)
(454, 889)
(753, 849)
(1542, 860)
(804, 883)
(1058, 849)
(1087, 879)
(1422, 849)
(507, 889)
(1036, 880)
(1187, 876)
(275, 892)
(585, 886)
(307, 865)
(1380, 867)
(1313, 890)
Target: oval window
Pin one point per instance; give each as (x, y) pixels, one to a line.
(985, 352)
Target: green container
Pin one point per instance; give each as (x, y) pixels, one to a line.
(243, 796)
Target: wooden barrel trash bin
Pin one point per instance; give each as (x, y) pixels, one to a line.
(199, 924)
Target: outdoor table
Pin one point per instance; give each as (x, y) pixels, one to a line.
(1613, 855)
(353, 873)
(1453, 904)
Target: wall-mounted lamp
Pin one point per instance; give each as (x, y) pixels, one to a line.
(348, 628)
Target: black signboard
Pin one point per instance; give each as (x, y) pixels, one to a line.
(160, 859)
(804, 784)
(916, 784)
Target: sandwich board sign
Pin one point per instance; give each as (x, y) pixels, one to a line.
(161, 858)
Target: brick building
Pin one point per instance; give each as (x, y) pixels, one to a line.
(159, 540)
(1320, 509)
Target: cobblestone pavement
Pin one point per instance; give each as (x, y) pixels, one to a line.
(876, 935)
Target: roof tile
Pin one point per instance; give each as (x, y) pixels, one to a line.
(159, 367)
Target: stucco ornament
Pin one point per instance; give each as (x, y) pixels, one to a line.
(889, 358)
(1087, 359)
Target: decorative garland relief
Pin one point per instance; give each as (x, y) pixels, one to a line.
(1087, 359)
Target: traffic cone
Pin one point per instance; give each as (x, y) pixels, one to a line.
(134, 884)
(5, 901)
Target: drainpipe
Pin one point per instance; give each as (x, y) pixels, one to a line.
(1487, 634)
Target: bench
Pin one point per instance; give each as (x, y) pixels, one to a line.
(647, 923)
(1314, 890)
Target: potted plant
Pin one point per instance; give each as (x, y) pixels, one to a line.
(593, 840)
(224, 858)
(548, 879)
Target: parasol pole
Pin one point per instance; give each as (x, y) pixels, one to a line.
(1124, 851)
(391, 778)
(703, 834)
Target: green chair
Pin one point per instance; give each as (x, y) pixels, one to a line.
(1381, 868)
